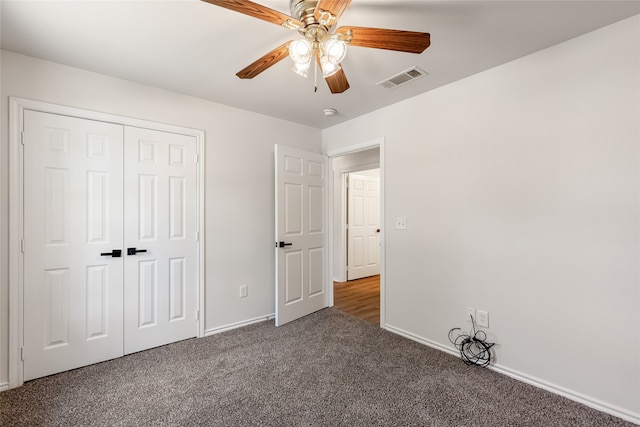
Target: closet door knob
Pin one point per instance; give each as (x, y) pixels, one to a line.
(116, 253)
(133, 251)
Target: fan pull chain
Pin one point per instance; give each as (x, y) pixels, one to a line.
(315, 78)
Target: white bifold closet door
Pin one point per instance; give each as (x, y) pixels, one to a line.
(110, 244)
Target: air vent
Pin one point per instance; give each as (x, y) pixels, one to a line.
(403, 78)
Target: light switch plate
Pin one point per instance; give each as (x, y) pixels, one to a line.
(483, 318)
(401, 223)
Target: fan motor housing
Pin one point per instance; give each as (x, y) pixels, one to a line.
(303, 11)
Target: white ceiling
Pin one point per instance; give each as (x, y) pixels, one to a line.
(192, 47)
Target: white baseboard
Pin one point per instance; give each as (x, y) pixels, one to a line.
(420, 340)
(528, 379)
(236, 325)
(4, 386)
(569, 394)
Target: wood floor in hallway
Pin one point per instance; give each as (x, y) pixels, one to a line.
(359, 298)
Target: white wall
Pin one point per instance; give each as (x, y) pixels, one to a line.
(239, 175)
(521, 187)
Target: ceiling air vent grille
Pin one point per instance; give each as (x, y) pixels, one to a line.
(403, 78)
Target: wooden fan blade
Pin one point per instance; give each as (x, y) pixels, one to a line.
(335, 7)
(271, 58)
(337, 82)
(380, 38)
(256, 10)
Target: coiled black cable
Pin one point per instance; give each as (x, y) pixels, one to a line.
(474, 349)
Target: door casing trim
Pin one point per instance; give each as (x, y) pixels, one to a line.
(17, 106)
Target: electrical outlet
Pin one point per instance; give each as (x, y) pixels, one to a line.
(470, 312)
(483, 318)
(401, 223)
(244, 291)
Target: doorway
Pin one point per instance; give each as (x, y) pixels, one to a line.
(363, 297)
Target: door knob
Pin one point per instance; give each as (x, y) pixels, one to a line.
(283, 244)
(116, 253)
(133, 251)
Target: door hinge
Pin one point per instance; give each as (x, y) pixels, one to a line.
(197, 158)
(22, 245)
(197, 236)
(22, 353)
(197, 314)
(22, 137)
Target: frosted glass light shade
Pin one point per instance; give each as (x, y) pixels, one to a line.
(302, 69)
(300, 51)
(334, 49)
(328, 67)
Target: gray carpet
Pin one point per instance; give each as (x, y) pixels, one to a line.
(327, 369)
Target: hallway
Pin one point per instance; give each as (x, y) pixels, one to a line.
(359, 298)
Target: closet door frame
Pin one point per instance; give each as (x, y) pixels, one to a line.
(17, 106)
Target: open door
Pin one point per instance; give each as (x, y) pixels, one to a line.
(301, 233)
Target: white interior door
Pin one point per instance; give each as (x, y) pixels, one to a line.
(73, 216)
(363, 212)
(301, 262)
(161, 238)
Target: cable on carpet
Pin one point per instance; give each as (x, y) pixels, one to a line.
(474, 348)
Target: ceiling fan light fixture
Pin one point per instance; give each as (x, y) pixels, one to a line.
(328, 68)
(301, 69)
(334, 49)
(300, 51)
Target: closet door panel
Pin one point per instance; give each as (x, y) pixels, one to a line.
(161, 238)
(73, 180)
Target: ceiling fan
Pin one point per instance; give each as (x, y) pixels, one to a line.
(322, 43)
